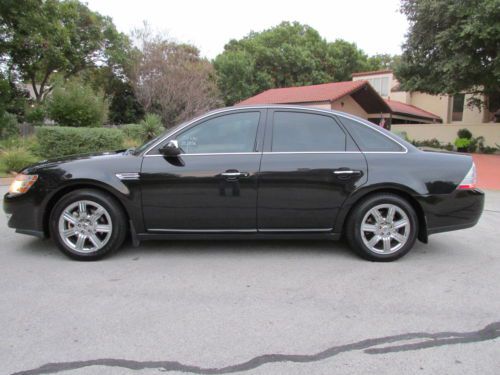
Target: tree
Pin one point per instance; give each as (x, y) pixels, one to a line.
(172, 80)
(383, 61)
(124, 107)
(289, 54)
(40, 37)
(76, 104)
(452, 47)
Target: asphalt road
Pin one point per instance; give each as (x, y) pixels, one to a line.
(253, 307)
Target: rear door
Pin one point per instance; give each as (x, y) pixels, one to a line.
(309, 167)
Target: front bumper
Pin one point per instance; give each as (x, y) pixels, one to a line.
(24, 214)
(458, 210)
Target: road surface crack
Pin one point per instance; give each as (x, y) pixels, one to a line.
(369, 346)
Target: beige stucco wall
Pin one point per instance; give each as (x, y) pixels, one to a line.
(448, 132)
(473, 114)
(322, 105)
(437, 104)
(350, 106)
(400, 96)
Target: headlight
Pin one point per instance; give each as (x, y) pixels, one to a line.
(22, 183)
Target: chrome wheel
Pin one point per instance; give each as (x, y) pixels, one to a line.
(385, 229)
(85, 226)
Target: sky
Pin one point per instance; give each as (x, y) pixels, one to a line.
(376, 26)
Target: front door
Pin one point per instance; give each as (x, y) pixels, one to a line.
(309, 167)
(212, 185)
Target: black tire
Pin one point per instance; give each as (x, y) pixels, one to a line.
(115, 214)
(355, 220)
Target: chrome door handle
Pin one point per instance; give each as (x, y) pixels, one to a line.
(347, 171)
(235, 174)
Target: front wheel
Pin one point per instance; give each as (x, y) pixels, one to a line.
(383, 227)
(87, 224)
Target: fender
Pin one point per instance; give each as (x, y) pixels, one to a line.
(394, 188)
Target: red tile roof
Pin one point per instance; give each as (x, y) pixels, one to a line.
(372, 73)
(306, 94)
(402, 108)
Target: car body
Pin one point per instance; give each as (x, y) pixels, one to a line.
(256, 172)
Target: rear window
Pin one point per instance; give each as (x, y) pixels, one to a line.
(369, 139)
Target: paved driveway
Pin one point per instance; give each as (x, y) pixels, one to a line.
(253, 308)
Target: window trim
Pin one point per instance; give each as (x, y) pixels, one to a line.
(262, 134)
(207, 117)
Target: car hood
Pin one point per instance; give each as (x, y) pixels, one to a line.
(49, 163)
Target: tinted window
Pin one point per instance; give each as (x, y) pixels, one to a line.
(369, 139)
(294, 131)
(223, 134)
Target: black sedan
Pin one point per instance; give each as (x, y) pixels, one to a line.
(261, 172)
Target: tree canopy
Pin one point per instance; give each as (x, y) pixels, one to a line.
(171, 79)
(452, 47)
(290, 54)
(39, 38)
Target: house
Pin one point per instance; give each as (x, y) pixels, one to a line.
(357, 97)
(451, 109)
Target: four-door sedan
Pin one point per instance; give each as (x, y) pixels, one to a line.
(257, 172)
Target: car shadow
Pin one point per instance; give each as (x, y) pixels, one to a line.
(236, 247)
(34, 247)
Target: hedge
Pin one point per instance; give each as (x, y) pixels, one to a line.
(133, 131)
(55, 141)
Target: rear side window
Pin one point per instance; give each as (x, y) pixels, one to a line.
(369, 139)
(303, 132)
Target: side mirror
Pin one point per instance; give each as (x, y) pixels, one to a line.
(171, 149)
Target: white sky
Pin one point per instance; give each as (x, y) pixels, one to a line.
(376, 26)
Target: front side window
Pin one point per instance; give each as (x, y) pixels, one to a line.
(232, 133)
(369, 139)
(303, 132)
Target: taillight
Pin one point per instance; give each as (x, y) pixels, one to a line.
(470, 179)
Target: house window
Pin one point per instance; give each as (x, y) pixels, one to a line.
(457, 112)
(381, 85)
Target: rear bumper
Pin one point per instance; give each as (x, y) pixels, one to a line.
(460, 209)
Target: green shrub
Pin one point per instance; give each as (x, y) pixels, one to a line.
(131, 143)
(433, 143)
(464, 133)
(35, 115)
(448, 146)
(8, 125)
(55, 141)
(462, 143)
(16, 158)
(76, 104)
(133, 131)
(151, 126)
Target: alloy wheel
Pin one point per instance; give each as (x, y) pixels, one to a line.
(85, 226)
(385, 229)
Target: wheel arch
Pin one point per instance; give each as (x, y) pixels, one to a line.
(55, 197)
(422, 222)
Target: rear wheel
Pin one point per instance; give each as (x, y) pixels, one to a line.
(87, 224)
(382, 227)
